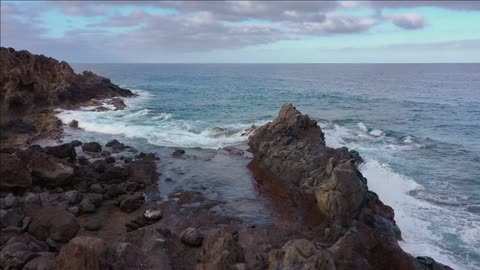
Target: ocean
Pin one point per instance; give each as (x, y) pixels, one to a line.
(416, 125)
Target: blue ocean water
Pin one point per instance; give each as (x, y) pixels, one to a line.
(417, 126)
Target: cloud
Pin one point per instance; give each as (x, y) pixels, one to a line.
(193, 26)
(408, 21)
(454, 5)
(338, 24)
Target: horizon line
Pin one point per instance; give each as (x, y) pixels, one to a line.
(273, 63)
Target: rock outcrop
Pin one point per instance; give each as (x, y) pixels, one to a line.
(32, 86)
(360, 231)
(33, 82)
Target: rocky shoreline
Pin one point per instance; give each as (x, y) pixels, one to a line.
(84, 205)
(33, 86)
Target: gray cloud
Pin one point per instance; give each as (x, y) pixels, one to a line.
(455, 5)
(195, 26)
(409, 21)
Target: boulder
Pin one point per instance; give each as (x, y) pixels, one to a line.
(76, 143)
(19, 250)
(66, 150)
(110, 160)
(220, 251)
(54, 223)
(115, 190)
(97, 188)
(192, 237)
(14, 172)
(116, 145)
(32, 199)
(153, 214)
(178, 152)
(93, 147)
(83, 161)
(73, 196)
(50, 170)
(83, 253)
(130, 203)
(10, 201)
(73, 124)
(11, 218)
(43, 262)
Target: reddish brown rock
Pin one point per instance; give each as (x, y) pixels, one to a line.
(83, 253)
(14, 172)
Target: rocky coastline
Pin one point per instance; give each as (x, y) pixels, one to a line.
(84, 205)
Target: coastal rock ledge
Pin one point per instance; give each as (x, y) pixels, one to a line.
(33, 86)
(360, 231)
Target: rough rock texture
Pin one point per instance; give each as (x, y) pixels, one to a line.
(300, 252)
(292, 148)
(32, 86)
(360, 231)
(30, 82)
(14, 172)
(83, 253)
(220, 251)
(54, 223)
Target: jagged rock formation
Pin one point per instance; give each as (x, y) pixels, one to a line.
(33, 82)
(361, 231)
(32, 86)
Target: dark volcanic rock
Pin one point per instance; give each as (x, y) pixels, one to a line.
(30, 82)
(220, 250)
(93, 147)
(42, 262)
(116, 145)
(76, 143)
(54, 223)
(49, 170)
(14, 172)
(20, 250)
(292, 148)
(360, 229)
(66, 150)
(300, 254)
(178, 152)
(83, 253)
(192, 237)
(130, 203)
(73, 124)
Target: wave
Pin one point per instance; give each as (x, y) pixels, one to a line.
(158, 128)
(424, 225)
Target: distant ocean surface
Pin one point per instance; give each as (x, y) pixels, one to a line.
(416, 125)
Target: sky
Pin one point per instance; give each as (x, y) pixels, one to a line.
(245, 31)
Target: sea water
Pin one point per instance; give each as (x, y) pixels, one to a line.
(416, 125)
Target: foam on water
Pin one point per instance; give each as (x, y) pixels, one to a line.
(158, 128)
(423, 224)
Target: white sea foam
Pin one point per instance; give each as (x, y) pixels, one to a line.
(362, 127)
(159, 128)
(423, 224)
(408, 139)
(376, 132)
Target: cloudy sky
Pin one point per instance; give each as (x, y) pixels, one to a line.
(245, 31)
